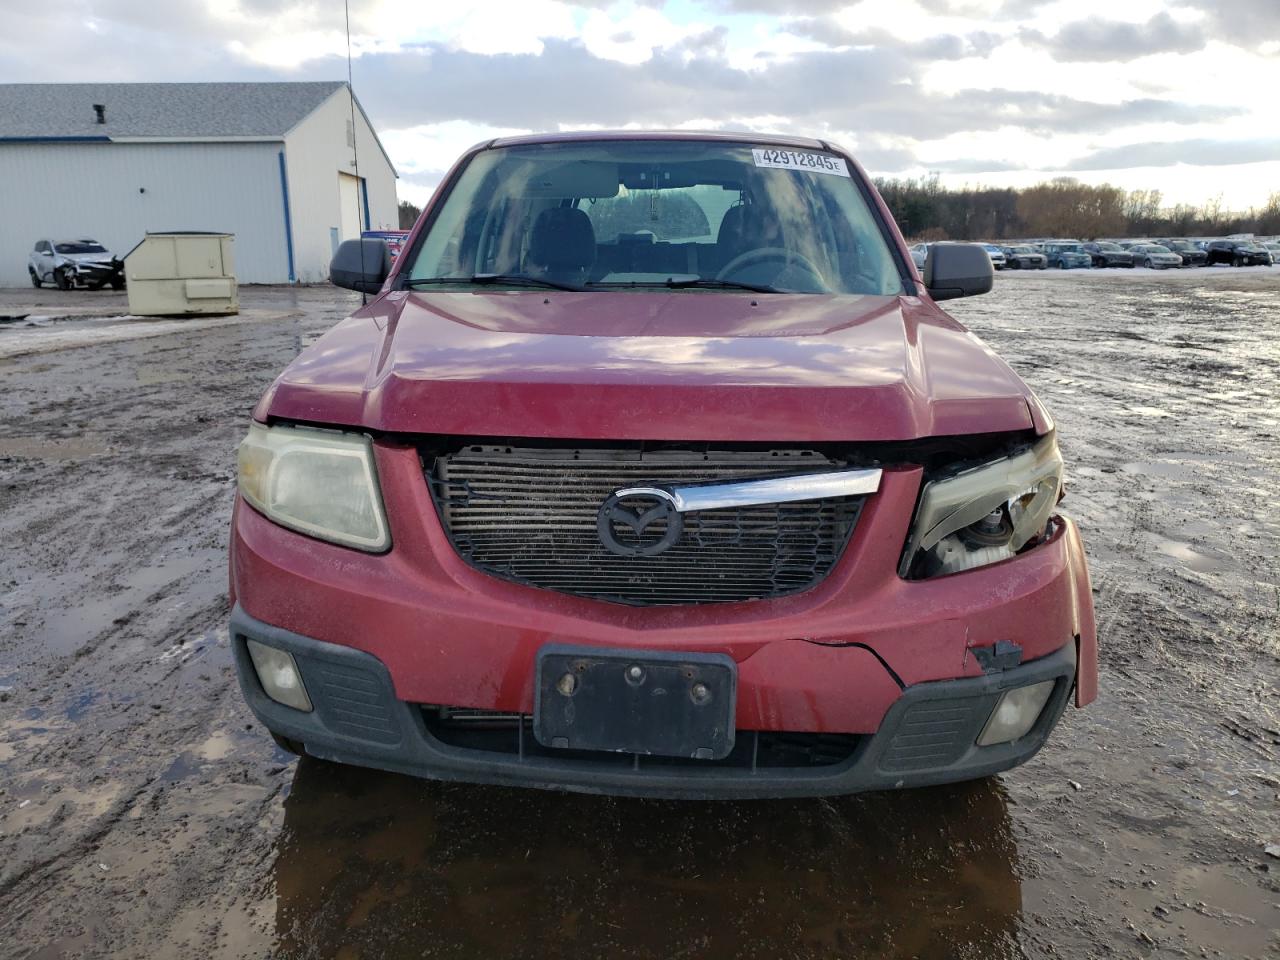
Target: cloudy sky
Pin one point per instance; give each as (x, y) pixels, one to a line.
(1177, 95)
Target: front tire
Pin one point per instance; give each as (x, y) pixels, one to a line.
(35, 279)
(1148, 264)
(63, 279)
(117, 284)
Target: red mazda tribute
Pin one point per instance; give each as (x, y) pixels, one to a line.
(653, 467)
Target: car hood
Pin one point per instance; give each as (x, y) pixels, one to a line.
(652, 366)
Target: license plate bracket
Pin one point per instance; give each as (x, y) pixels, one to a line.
(676, 705)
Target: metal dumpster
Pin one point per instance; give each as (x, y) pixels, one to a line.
(181, 273)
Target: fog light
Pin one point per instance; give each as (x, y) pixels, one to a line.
(279, 676)
(1016, 712)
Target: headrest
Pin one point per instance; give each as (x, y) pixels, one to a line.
(732, 226)
(563, 239)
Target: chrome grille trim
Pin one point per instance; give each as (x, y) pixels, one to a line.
(529, 515)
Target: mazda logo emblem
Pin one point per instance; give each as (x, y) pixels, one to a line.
(640, 522)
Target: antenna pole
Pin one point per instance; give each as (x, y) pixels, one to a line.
(355, 147)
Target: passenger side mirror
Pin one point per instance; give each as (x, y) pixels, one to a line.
(957, 270)
(360, 265)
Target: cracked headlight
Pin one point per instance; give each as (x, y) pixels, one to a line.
(319, 482)
(985, 514)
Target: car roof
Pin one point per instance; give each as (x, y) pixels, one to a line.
(719, 136)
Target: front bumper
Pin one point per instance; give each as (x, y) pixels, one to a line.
(94, 272)
(838, 659)
(926, 737)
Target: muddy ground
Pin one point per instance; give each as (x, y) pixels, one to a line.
(144, 814)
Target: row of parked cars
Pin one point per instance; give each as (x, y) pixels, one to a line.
(1152, 254)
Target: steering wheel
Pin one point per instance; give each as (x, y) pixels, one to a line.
(787, 258)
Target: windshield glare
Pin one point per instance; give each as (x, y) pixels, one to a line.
(637, 213)
(79, 248)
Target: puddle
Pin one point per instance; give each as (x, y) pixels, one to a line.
(378, 865)
(81, 703)
(1148, 412)
(1159, 468)
(44, 448)
(182, 767)
(1188, 557)
(217, 747)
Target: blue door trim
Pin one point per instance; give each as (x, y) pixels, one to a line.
(288, 222)
(364, 189)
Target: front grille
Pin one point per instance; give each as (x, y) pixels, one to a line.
(529, 515)
(491, 731)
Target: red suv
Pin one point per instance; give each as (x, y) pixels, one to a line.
(653, 467)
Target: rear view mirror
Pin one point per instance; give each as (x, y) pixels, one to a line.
(957, 270)
(360, 265)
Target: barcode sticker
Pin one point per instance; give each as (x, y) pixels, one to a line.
(799, 160)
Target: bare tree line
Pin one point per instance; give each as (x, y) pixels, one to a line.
(925, 210)
(1064, 207)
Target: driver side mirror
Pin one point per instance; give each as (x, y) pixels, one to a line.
(360, 265)
(957, 270)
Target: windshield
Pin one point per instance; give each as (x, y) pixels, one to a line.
(1109, 247)
(1022, 250)
(1157, 248)
(644, 213)
(87, 246)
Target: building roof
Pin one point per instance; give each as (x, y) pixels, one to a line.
(179, 111)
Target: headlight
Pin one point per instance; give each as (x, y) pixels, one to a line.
(984, 515)
(317, 482)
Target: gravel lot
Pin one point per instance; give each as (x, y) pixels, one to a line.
(143, 814)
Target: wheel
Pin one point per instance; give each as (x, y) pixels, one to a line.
(1147, 263)
(62, 277)
(1238, 262)
(35, 278)
(117, 284)
(288, 745)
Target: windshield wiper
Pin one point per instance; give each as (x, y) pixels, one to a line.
(485, 279)
(673, 284)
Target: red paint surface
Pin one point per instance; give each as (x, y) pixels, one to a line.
(655, 366)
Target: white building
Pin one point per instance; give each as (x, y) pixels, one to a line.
(272, 163)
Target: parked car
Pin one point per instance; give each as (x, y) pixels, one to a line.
(74, 263)
(471, 543)
(1154, 257)
(1274, 250)
(1238, 253)
(996, 253)
(1192, 256)
(1104, 253)
(1024, 257)
(1067, 254)
(919, 253)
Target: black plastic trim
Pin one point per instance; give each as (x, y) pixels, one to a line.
(415, 752)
